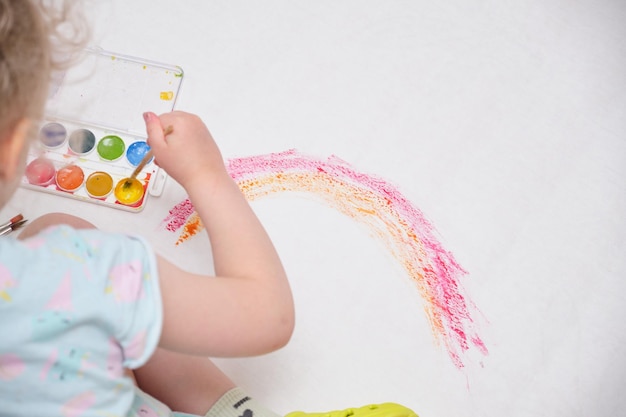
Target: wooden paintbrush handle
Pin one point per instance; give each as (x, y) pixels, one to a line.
(148, 156)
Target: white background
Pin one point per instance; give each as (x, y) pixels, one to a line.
(504, 122)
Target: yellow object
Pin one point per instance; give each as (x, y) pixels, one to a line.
(99, 184)
(373, 410)
(129, 191)
(166, 95)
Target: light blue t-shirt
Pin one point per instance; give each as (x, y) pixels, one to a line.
(76, 307)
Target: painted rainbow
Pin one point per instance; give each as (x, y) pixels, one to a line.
(384, 210)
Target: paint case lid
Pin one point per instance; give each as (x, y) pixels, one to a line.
(113, 91)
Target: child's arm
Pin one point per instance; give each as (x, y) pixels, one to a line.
(247, 309)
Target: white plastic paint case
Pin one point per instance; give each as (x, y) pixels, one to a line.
(107, 94)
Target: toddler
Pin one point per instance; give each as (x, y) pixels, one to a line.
(79, 307)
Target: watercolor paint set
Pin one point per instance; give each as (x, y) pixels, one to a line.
(93, 136)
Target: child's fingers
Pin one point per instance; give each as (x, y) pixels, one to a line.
(154, 129)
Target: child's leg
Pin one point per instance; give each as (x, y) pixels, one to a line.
(194, 385)
(51, 219)
(189, 384)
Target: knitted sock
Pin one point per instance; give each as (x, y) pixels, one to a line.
(235, 403)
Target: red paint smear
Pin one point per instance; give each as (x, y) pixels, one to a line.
(385, 210)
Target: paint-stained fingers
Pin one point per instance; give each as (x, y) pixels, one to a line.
(167, 131)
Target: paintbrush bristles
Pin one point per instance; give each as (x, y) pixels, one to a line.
(12, 227)
(144, 161)
(14, 220)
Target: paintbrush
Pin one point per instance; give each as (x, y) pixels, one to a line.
(10, 222)
(12, 227)
(146, 158)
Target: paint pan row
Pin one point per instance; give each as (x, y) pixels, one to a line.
(90, 164)
(82, 142)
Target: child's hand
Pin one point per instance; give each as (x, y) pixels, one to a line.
(188, 154)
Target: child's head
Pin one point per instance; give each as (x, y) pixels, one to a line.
(30, 39)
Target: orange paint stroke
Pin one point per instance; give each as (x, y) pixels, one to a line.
(388, 215)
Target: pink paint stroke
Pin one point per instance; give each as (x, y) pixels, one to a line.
(409, 234)
(178, 215)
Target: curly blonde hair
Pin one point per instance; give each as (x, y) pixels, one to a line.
(37, 38)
